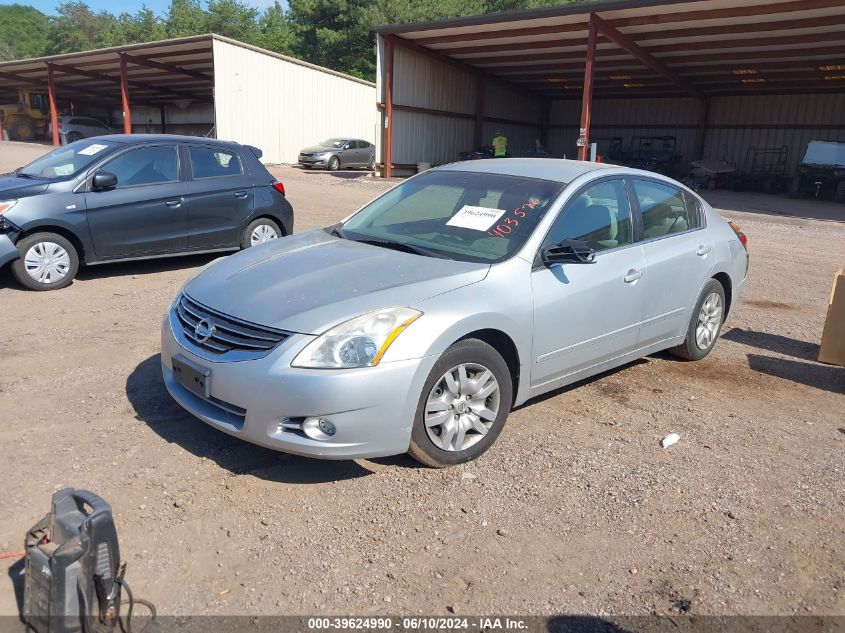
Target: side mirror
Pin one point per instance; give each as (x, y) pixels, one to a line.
(569, 252)
(104, 180)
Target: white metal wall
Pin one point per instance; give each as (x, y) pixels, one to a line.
(735, 124)
(281, 106)
(422, 82)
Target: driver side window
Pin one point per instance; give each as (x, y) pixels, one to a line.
(600, 215)
(145, 166)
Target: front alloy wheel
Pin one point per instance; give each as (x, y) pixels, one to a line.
(48, 261)
(463, 406)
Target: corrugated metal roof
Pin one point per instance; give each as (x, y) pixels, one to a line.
(718, 46)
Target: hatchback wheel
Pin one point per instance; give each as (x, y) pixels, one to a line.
(48, 262)
(334, 163)
(705, 324)
(72, 137)
(260, 231)
(463, 407)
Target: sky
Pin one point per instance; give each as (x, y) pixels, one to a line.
(158, 6)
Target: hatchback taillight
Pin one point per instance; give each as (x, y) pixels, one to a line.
(743, 239)
(278, 186)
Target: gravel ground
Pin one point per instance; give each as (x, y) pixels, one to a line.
(576, 508)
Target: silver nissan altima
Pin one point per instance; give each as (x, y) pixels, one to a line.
(420, 321)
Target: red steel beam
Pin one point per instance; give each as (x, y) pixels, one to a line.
(587, 96)
(124, 97)
(389, 49)
(51, 97)
(647, 59)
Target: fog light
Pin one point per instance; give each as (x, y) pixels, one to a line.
(318, 428)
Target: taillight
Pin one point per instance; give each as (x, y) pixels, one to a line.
(743, 239)
(278, 186)
(60, 126)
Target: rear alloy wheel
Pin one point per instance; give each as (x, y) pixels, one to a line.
(465, 402)
(334, 163)
(260, 231)
(705, 324)
(48, 262)
(73, 137)
(371, 166)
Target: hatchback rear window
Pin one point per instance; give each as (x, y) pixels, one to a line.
(210, 162)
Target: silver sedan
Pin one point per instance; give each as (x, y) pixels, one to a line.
(420, 321)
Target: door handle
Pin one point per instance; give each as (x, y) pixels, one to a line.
(704, 249)
(240, 194)
(175, 203)
(632, 276)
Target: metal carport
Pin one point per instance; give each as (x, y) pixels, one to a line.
(723, 75)
(235, 90)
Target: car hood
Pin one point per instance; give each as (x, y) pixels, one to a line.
(17, 187)
(312, 281)
(315, 149)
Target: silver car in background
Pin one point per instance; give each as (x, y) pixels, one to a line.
(74, 128)
(418, 322)
(337, 153)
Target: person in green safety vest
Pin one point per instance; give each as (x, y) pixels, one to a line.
(500, 145)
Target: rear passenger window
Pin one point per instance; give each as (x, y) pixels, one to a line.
(210, 162)
(600, 215)
(665, 209)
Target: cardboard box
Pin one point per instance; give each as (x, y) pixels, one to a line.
(832, 348)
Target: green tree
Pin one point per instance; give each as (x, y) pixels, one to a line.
(24, 32)
(185, 17)
(231, 18)
(274, 32)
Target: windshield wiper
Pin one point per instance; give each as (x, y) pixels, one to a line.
(401, 246)
(21, 174)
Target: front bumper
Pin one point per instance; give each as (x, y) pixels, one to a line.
(313, 162)
(8, 251)
(371, 408)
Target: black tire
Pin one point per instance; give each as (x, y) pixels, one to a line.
(334, 163)
(689, 349)
(371, 166)
(22, 130)
(246, 236)
(19, 265)
(467, 351)
(839, 193)
(72, 137)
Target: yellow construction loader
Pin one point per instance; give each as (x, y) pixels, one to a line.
(28, 118)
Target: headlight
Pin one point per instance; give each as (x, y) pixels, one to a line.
(359, 342)
(5, 205)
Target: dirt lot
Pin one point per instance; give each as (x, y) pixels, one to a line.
(576, 509)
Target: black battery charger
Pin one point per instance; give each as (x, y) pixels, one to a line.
(73, 575)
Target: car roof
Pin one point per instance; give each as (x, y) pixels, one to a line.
(555, 169)
(173, 138)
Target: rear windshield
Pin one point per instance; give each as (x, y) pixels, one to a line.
(460, 215)
(68, 160)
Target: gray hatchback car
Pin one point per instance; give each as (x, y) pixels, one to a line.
(124, 197)
(417, 323)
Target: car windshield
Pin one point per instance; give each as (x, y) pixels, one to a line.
(823, 153)
(67, 160)
(335, 143)
(467, 216)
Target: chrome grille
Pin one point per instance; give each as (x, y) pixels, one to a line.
(229, 338)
